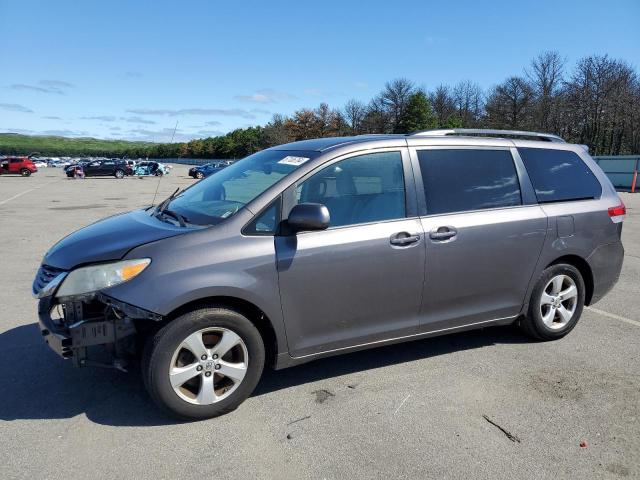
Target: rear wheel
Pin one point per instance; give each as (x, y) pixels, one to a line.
(119, 174)
(204, 363)
(199, 175)
(159, 173)
(25, 172)
(556, 303)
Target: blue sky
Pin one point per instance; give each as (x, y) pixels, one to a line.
(131, 69)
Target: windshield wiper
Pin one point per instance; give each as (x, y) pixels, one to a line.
(162, 209)
(161, 206)
(181, 218)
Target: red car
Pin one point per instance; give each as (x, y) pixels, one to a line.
(18, 166)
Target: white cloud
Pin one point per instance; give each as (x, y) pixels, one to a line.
(138, 120)
(102, 118)
(265, 95)
(44, 86)
(14, 107)
(56, 84)
(229, 112)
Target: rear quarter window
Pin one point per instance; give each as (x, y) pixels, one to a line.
(559, 175)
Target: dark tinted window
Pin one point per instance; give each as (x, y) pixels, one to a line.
(559, 175)
(462, 180)
(367, 188)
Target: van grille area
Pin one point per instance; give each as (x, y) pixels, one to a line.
(45, 275)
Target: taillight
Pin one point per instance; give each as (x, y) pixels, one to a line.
(617, 213)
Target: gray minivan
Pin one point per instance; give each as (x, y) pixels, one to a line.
(326, 246)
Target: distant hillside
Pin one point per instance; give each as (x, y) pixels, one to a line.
(15, 144)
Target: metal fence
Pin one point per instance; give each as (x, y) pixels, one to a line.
(192, 161)
(622, 170)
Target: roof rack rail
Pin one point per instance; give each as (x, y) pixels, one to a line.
(484, 132)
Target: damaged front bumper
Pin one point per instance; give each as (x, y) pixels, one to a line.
(72, 327)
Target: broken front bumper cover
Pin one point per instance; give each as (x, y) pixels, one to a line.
(72, 333)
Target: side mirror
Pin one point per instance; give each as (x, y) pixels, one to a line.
(308, 216)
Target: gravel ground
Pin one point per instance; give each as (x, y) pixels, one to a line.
(483, 404)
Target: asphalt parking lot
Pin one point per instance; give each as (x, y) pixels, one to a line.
(482, 404)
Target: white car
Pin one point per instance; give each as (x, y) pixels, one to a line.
(40, 164)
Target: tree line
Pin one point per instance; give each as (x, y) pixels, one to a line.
(595, 102)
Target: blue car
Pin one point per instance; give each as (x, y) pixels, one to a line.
(207, 169)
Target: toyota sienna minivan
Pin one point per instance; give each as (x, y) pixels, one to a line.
(327, 246)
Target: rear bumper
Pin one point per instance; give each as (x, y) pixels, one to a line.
(606, 264)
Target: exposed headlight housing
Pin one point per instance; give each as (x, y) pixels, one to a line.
(97, 277)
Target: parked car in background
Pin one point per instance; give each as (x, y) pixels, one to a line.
(328, 246)
(58, 163)
(17, 166)
(202, 171)
(102, 168)
(150, 168)
(40, 163)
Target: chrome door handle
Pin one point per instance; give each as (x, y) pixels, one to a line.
(403, 239)
(442, 233)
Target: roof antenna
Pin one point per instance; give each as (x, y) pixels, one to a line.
(160, 177)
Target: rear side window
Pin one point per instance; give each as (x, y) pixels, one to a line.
(559, 175)
(466, 179)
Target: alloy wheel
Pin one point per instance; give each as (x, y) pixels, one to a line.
(559, 301)
(208, 366)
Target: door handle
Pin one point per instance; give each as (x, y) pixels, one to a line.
(403, 238)
(442, 233)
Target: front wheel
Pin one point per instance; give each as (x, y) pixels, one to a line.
(25, 172)
(204, 363)
(556, 303)
(199, 175)
(119, 174)
(159, 173)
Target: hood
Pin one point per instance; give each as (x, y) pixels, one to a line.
(109, 239)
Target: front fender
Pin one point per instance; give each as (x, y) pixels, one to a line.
(207, 264)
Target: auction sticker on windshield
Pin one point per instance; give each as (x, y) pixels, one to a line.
(295, 161)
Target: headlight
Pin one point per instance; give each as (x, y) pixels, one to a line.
(97, 277)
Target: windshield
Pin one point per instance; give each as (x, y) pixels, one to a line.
(225, 192)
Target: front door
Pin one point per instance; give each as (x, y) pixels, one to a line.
(361, 280)
(482, 240)
(92, 169)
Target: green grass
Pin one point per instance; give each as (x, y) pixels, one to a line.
(15, 144)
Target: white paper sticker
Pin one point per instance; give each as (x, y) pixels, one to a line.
(295, 161)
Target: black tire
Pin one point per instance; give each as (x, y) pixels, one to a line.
(533, 323)
(199, 176)
(119, 174)
(159, 173)
(25, 172)
(160, 347)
